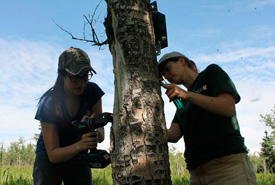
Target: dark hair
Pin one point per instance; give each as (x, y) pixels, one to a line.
(193, 65)
(57, 94)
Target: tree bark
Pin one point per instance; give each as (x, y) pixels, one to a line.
(139, 150)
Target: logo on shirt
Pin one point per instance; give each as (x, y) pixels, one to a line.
(203, 88)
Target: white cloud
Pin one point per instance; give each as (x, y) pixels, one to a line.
(262, 33)
(26, 71)
(232, 54)
(263, 3)
(17, 122)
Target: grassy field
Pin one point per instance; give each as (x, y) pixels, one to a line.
(12, 175)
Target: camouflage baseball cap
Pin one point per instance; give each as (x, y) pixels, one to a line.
(74, 60)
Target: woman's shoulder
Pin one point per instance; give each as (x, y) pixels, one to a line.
(212, 67)
(92, 93)
(93, 88)
(92, 85)
(46, 99)
(45, 109)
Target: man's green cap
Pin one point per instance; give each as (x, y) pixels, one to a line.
(170, 55)
(74, 60)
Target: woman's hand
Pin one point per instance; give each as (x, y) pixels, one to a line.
(99, 131)
(85, 117)
(60, 154)
(173, 91)
(88, 141)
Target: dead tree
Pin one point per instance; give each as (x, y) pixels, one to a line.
(139, 150)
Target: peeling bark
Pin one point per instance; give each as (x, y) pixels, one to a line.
(139, 149)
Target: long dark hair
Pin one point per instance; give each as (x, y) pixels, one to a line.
(57, 94)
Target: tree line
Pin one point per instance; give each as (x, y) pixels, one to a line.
(268, 144)
(19, 153)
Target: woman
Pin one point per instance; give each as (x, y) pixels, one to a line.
(61, 153)
(214, 148)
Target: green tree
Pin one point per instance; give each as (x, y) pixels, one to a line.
(257, 162)
(267, 152)
(2, 151)
(269, 120)
(268, 144)
(19, 154)
(177, 162)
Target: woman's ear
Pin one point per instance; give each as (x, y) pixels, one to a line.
(182, 61)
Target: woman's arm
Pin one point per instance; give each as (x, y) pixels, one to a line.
(60, 154)
(173, 133)
(223, 104)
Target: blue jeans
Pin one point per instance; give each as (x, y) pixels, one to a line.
(71, 172)
(233, 169)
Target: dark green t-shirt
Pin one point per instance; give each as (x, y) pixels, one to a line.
(208, 135)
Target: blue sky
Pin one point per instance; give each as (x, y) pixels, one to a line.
(237, 35)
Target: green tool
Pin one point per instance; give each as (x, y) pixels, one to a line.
(178, 103)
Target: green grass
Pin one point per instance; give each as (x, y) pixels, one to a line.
(180, 179)
(102, 176)
(12, 175)
(265, 179)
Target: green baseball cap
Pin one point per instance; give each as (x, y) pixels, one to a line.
(170, 55)
(74, 60)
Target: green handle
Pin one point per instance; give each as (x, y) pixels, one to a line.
(178, 103)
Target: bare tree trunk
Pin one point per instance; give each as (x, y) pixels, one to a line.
(139, 149)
